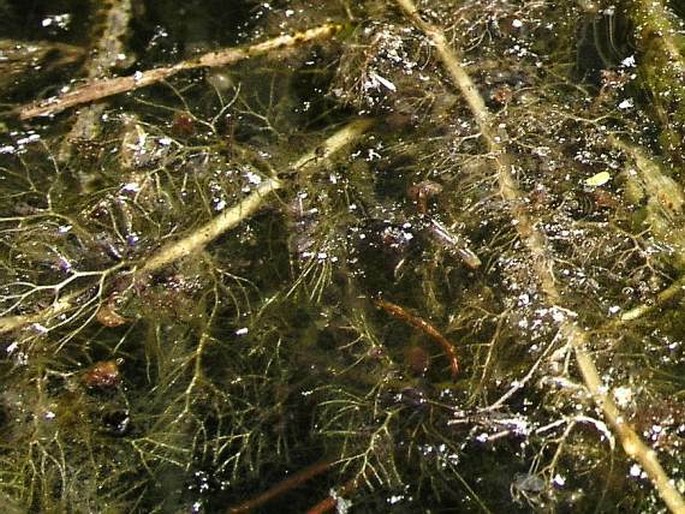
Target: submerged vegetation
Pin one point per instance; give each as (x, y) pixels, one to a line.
(366, 256)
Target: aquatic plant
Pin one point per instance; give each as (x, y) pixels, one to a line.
(371, 256)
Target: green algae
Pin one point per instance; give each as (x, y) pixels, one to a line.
(266, 350)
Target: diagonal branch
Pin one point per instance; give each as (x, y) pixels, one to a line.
(100, 89)
(200, 238)
(247, 207)
(542, 262)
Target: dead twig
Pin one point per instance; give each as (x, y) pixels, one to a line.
(99, 89)
(402, 314)
(292, 482)
(331, 501)
(200, 238)
(543, 263)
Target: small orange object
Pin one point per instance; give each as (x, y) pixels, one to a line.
(417, 360)
(108, 316)
(103, 375)
(183, 124)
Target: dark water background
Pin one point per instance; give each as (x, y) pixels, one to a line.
(270, 350)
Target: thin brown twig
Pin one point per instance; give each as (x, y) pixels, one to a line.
(292, 482)
(331, 501)
(402, 314)
(99, 89)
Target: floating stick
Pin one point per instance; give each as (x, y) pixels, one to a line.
(543, 264)
(99, 89)
(202, 236)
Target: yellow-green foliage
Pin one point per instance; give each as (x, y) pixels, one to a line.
(330, 254)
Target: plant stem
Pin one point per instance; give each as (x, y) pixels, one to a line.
(100, 89)
(543, 264)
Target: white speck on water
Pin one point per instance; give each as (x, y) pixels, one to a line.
(32, 138)
(131, 187)
(395, 498)
(373, 154)
(376, 79)
(60, 21)
(623, 396)
(558, 480)
(41, 329)
(558, 315)
(342, 505)
(253, 178)
(628, 62)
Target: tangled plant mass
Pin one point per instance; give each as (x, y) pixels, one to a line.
(376, 256)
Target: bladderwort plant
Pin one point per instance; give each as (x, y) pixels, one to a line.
(370, 257)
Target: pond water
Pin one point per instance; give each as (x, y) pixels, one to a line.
(303, 256)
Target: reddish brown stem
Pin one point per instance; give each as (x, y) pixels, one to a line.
(401, 313)
(282, 487)
(331, 501)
